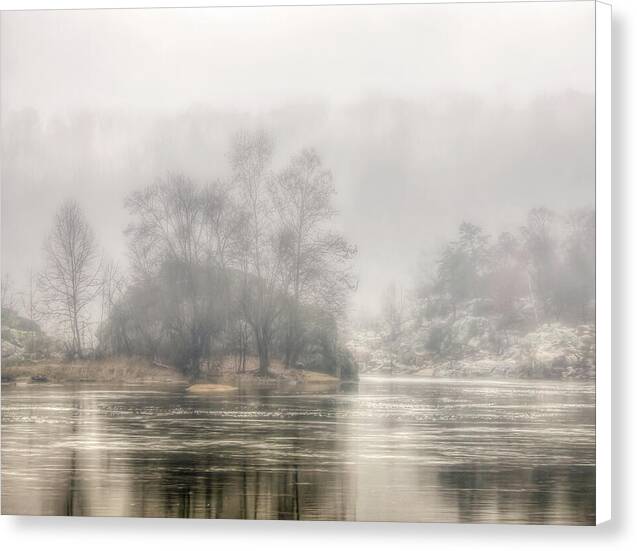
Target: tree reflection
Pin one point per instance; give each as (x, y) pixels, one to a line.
(538, 495)
(381, 452)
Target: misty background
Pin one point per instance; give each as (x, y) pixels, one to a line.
(425, 119)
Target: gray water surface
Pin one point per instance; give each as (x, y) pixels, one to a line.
(383, 449)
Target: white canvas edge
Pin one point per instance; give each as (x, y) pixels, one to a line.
(603, 14)
(603, 194)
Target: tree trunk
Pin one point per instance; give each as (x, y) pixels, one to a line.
(294, 337)
(78, 340)
(264, 353)
(264, 360)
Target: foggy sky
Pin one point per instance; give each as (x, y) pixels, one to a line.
(426, 115)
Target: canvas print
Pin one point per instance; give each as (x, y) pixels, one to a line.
(300, 263)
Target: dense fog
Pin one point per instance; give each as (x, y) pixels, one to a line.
(412, 133)
(420, 132)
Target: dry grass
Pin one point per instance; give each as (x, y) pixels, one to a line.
(229, 365)
(100, 371)
(137, 370)
(227, 370)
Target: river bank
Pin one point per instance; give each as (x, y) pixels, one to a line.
(484, 368)
(92, 371)
(472, 348)
(136, 370)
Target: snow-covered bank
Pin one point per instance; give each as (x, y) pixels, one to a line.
(550, 351)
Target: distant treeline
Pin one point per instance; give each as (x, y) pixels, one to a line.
(524, 300)
(543, 272)
(241, 267)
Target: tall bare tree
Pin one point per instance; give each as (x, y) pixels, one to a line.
(112, 286)
(260, 249)
(70, 280)
(167, 241)
(225, 241)
(316, 259)
(168, 224)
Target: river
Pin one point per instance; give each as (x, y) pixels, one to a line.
(385, 449)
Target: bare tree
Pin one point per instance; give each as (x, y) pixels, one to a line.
(226, 260)
(222, 220)
(168, 224)
(70, 280)
(168, 245)
(259, 251)
(224, 237)
(30, 299)
(540, 247)
(31, 307)
(113, 286)
(8, 294)
(316, 259)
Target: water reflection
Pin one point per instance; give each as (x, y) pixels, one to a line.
(534, 495)
(424, 450)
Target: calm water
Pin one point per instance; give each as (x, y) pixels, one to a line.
(385, 449)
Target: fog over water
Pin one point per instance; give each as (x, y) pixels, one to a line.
(421, 130)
